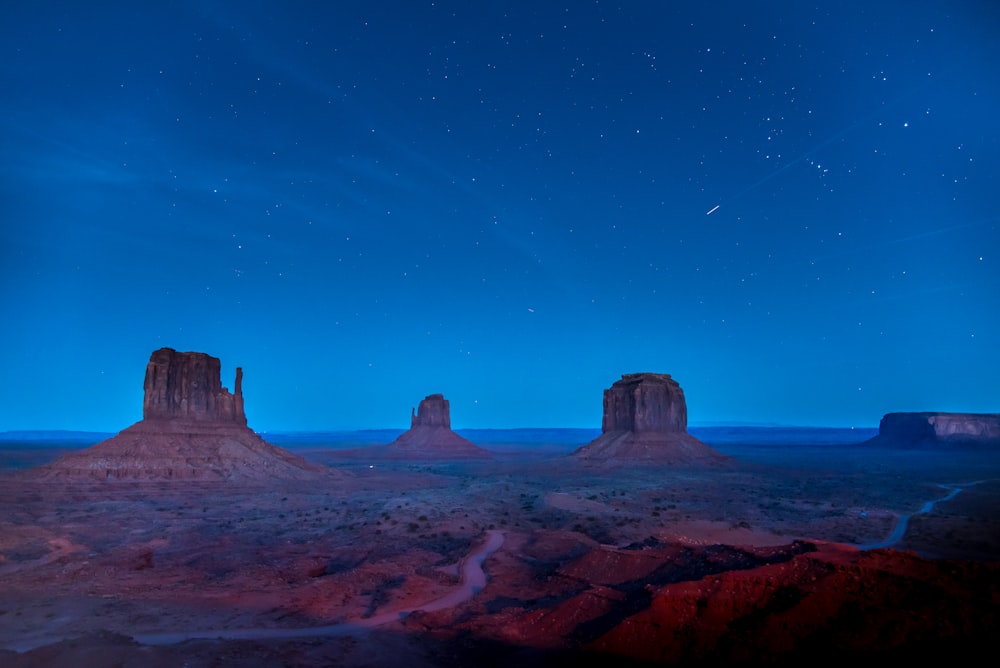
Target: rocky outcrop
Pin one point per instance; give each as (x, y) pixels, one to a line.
(645, 418)
(930, 429)
(192, 429)
(430, 435)
(188, 386)
(681, 605)
(645, 403)
(433, 411)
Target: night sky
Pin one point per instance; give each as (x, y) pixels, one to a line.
(788, 206)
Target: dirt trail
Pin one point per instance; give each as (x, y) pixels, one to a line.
(904, 520)
(473, 581)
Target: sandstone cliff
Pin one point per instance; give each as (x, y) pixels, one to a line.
(929, 429)
(645, 403)
(192, 429)
(806, 603)
(645, 418)
(432, 411)
(188, 386)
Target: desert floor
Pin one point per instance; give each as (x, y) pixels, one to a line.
(88, 568)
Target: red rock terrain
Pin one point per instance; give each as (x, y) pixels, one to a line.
(837, 603)
(671, 604)
(645, 565)
(432, 558)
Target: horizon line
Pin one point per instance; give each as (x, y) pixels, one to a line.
(293, 430)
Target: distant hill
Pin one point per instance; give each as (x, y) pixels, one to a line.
(55, 437)
(340, 439)
(555, 437)
(782, 435)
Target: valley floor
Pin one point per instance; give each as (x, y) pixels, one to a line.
(87, 570)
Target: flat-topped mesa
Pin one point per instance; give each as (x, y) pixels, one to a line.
(188, 386)
(433, 411)
(430, 435)
(931, 428)
(645, 403)
(645, 418)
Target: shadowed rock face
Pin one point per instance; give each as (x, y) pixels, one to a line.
(645, 403)
(188, 386)
(645, 418)
(912, 429)
(192, 429)
(433, 411)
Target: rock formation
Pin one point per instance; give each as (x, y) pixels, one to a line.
(645, 418)
(430, 434)
(192, 429)
(187, 386)
(645, 403)
(930, 429)
(717, 605)
(433, 411)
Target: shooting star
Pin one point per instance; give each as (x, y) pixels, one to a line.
(712, 210)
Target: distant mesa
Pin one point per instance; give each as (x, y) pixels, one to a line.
(645, 418)
(192, 428)
(938, 429)
(430, 435)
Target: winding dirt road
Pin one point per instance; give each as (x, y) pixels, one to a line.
(473, 581)
(904, 520)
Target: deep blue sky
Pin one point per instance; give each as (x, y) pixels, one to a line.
(790, 207)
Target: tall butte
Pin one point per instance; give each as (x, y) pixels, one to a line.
(645, 418)
(188, 387)
(430, 435)
(192, 428)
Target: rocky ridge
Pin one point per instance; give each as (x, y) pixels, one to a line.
(935, 429)
(669, 604)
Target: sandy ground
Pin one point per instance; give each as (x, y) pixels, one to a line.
(85, 568)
